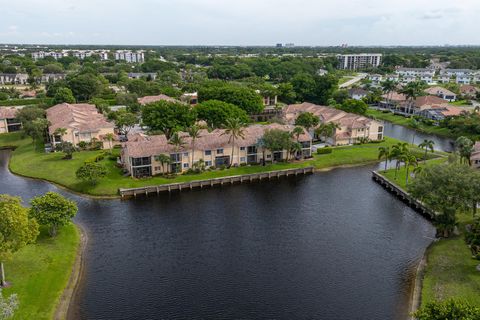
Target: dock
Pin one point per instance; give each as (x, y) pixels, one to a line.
(209, 183)
(403, 195)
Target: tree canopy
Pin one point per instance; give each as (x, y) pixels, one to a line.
(216, 113)
(168, 117)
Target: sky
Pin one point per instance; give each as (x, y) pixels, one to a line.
(240, 22)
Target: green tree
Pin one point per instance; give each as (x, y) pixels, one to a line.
(109, 137)
(36, 129)
(124, 121)
(194, 133)
(447, 310)
(398, 153)
(52, 210)
(64, 95)
(412, 91)
(307, 120)
(464, 147)
(91, 172)
(235, 129)
(168, 117)
(216, 113)
(163, 159)
(409, 160)
(85, 86)
(245, 98)
(388, 87)
(297, 132)
(427, 145)
(276, 140)
(68, 148)
(16, 229)
(384, 153)
(60, 132)
(354, 106)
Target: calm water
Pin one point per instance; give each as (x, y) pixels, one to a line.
(409, 135)
(332, 245)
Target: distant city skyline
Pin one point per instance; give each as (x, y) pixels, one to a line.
(247, 22)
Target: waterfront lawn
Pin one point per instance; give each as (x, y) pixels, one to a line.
(401, 179)
(450, 271)
(13, 139)
(40, 272)
(406, 122)
(50, 166)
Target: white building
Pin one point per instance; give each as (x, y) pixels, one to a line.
(416, 72)
(444, 78)
(375, 78)
(359, 61)
(457, 72)
(463, 79)
(43, 54)
(130, 57)
(427, 77)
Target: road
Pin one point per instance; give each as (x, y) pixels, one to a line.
(354, 80)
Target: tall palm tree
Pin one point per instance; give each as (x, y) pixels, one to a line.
(410, 160)
(398, 153)
(321, 131)
(412, 91)
(178, 142)
(426, 144)
(384, 152)
(331, 129)
(388, 86)
(60, 132)
(194, 133)
(295, 148)
(109, 137)
(464, 146)
(235, 129)
(164, 159)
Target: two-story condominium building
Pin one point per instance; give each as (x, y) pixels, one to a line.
(129, 56)
(13, 78)
(352, 129)
(442, 93)
(8, 121)
(140, 156)
(416, 72)
(463, 79)
(54, 54)
(376, 79)
(427, 77)
(444, 78)
(82, 122)
(359, 61)
(457, 72)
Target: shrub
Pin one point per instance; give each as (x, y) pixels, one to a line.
(325, 150)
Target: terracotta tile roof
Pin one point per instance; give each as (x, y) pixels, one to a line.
(429, 100)
(439, 90)
(395, 96)
(150, 99)
(81, 117)
(140, 145)
(8, 112)
(468, 89)
(451, 111)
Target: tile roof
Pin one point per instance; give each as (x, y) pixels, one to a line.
(81, 117)
(141, 145)
(150, 99)
(395, 96)
(8, 112)
(429, 100)
(439, 90)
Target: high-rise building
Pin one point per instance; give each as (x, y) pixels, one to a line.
(359, 61)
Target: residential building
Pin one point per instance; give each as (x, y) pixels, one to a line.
(44, 54)
(352, 127)
(457, 72)
(129, 56)
(376, 79)
(269, 100)
(419, 104)
(442, 93)
(444, 78)
(13, 78)
(426, 77)
(439, 113)
(82, 54)
(463, 79)
(416, 72)
(357, 93)
(392, 77)
(140, 75)
(359, 61)
(407, 79)
(46, 77)
(469, 91)
(150, 99)
(82, 121)
(476, 78)
(8, 121)
(140, 156)
(475, 156)
(190, 98)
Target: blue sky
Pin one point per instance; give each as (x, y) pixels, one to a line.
(240, 22)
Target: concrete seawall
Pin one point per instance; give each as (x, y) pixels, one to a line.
(200, 184)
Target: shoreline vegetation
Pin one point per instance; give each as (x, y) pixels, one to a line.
(28, 161)
(39, 273)
(406, 122)
(449, 269)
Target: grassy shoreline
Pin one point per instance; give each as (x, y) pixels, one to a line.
(39, 273)
(28, 162)
(405, 122)
(450, 269)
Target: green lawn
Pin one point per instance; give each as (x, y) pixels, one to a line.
(40, 272)
(406, 122)
(35, 163)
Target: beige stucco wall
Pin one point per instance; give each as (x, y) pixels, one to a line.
(3, 126)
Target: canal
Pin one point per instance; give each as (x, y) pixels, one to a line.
(332, 245)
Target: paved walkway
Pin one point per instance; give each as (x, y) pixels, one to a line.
(352, 81)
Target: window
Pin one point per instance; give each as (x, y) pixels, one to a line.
(242, 148)
(208, 153)
(208, 163)
(242, 159)
(219, 151)
(185, 154)
(176, 157)
(185, 165)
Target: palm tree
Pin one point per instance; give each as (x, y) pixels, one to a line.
(235, 129)
(60, 132)
(297, 132)
(295, 148)
(410, 160)
(194, 133)
(426, 144)
(164, 159)
(464, 146)
(398, 153)
(384, 152)
(109, 137)
(388, 86)
(178, 142)
(412, 91)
